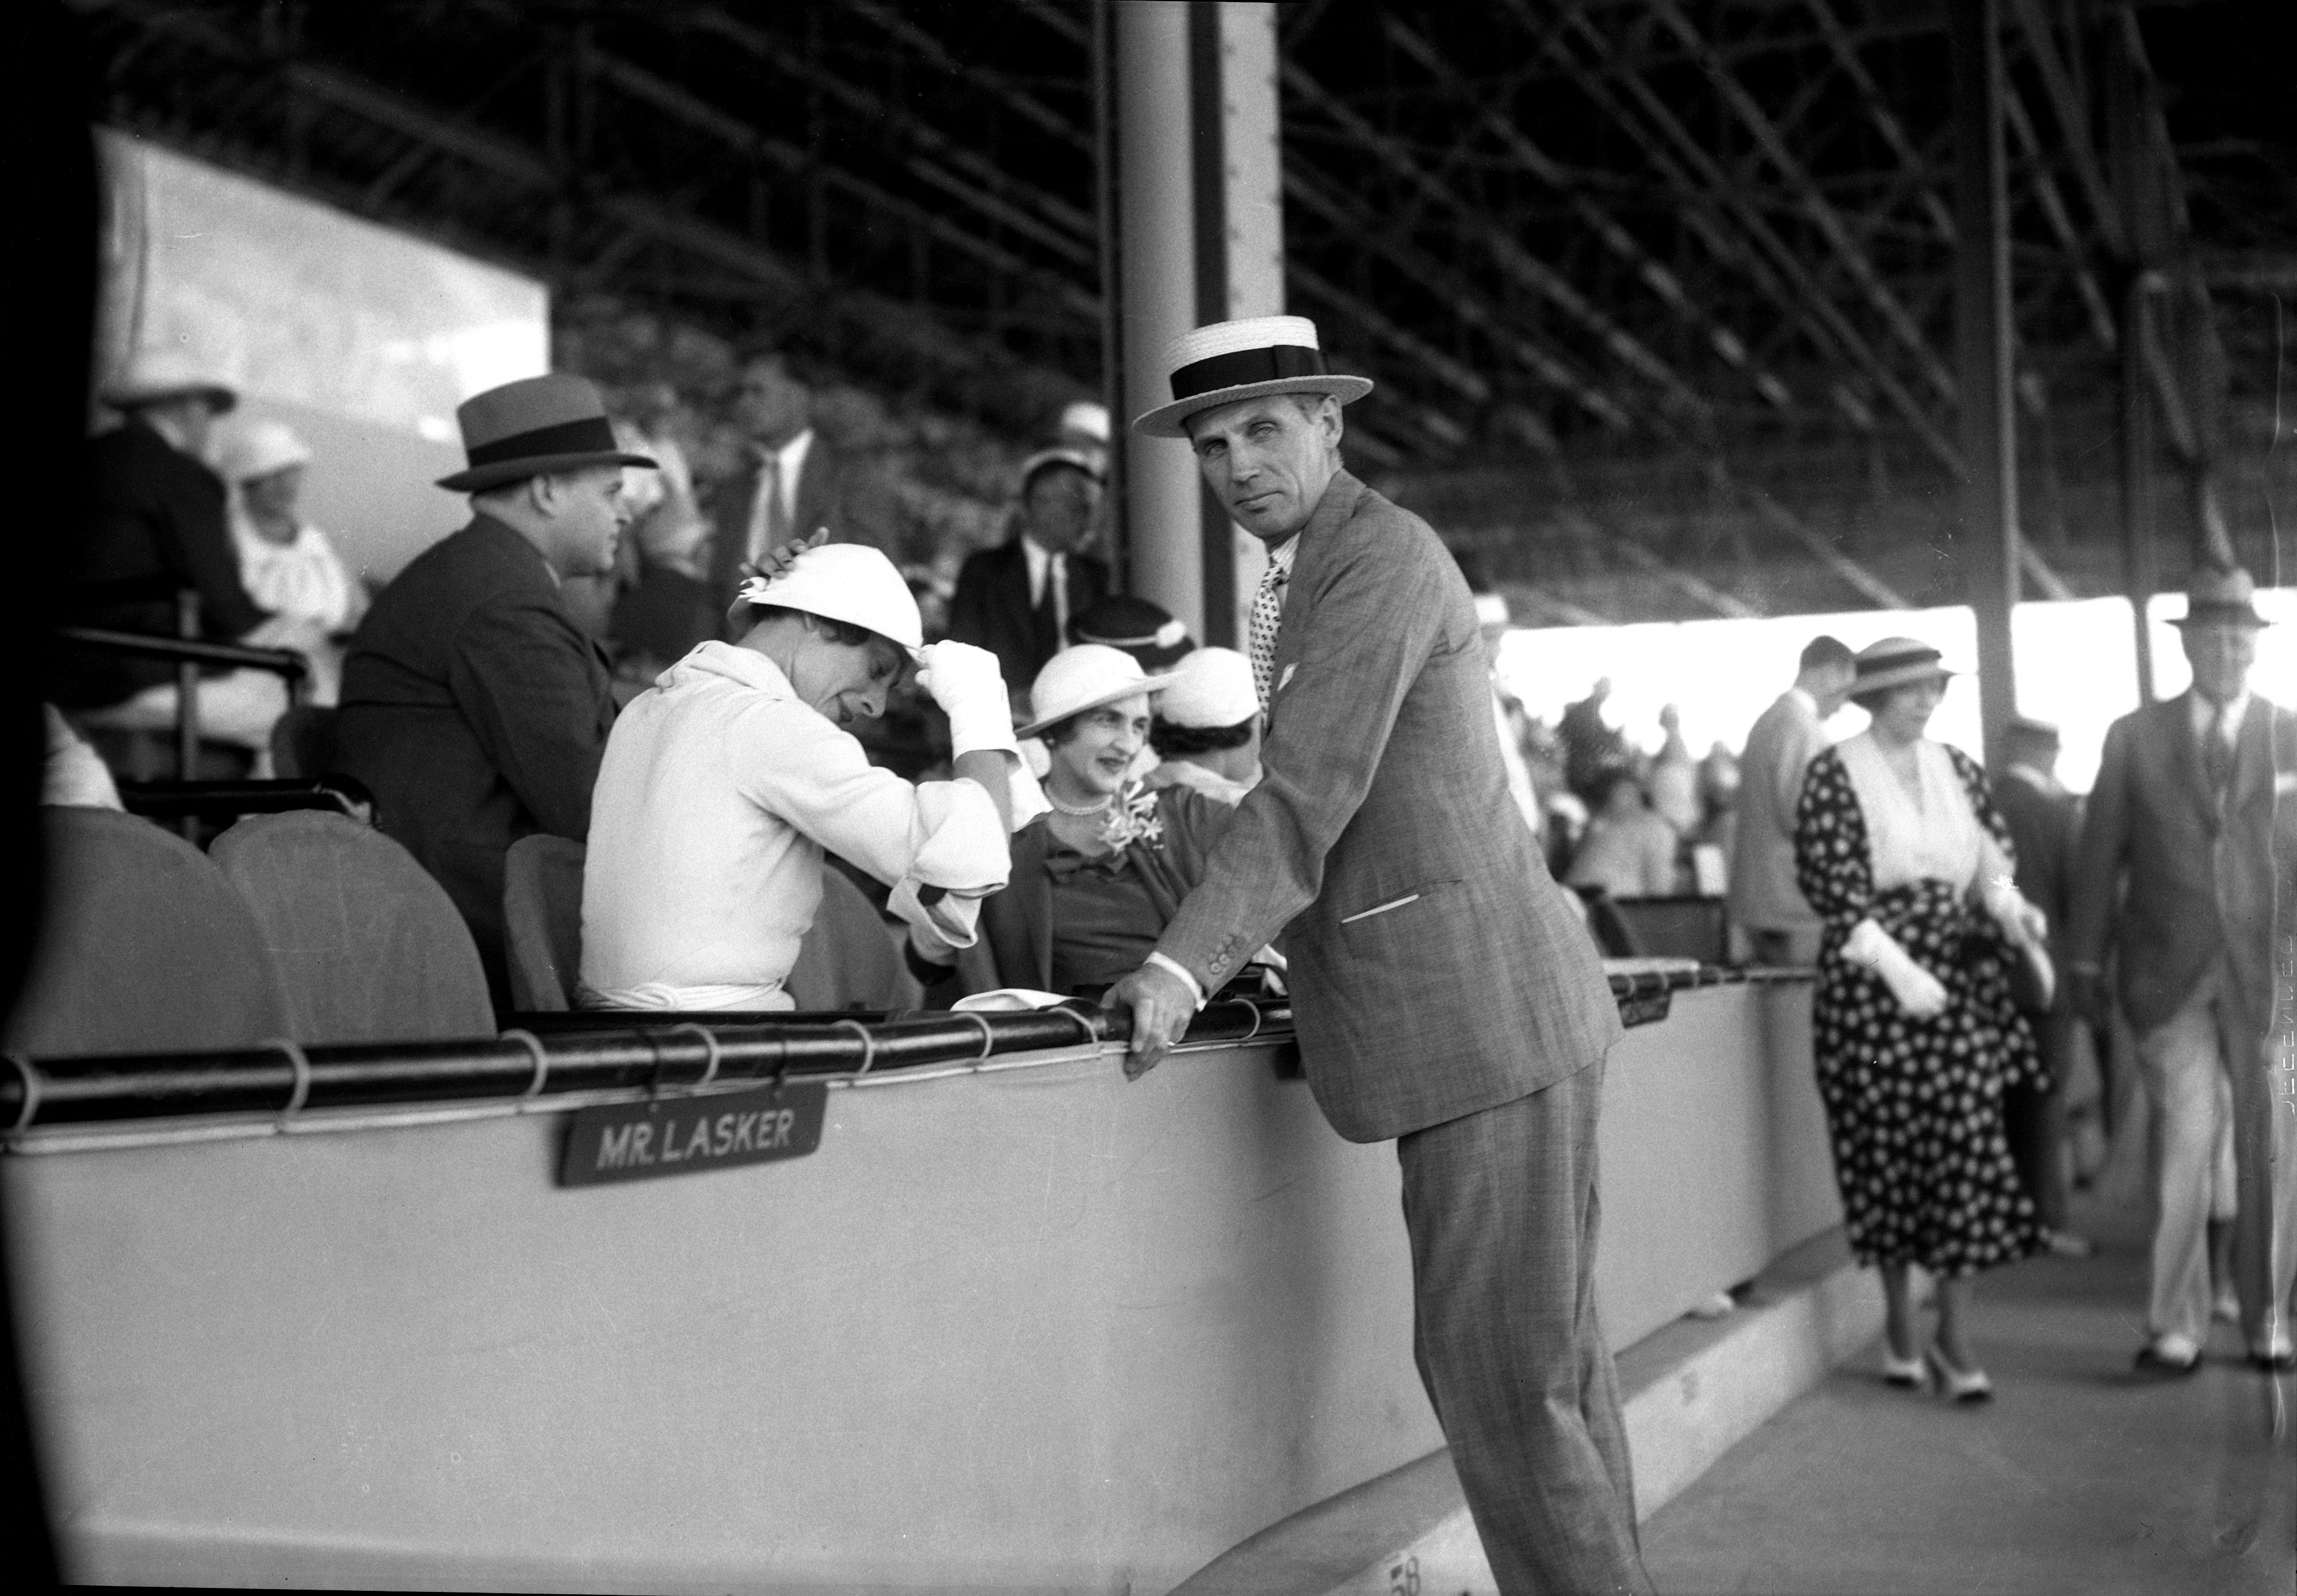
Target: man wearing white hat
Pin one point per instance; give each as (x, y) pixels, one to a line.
(723, 784)
(289, 566)
(1445, 992)
(155, 527)
(474, 707)
(1207, 725)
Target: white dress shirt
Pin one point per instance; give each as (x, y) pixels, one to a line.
(779, 470)
(719, 791)
(2204, 713)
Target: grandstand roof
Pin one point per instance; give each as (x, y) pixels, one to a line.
(1658, 293)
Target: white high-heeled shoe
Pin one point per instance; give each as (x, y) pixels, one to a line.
(1960, 1384)
(1908, 1374)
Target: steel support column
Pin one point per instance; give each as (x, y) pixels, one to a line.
(1985, 358)
(1200, 229)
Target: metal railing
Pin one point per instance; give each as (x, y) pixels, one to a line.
(190, 651)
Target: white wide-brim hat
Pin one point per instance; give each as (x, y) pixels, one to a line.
(1211, 687)
(154, 376)
(850, 582)
(1085, 677)
(259, 449)
(1232, 360)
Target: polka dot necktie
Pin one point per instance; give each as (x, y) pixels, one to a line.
(1267, 612)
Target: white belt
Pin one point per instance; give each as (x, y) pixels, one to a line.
(662, 995)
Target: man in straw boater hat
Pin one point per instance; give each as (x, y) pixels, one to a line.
(2188, 868)
(1445, 992)
(474, 707)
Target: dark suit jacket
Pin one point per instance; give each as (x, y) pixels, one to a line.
(2203, 876)
(1437, 969)
(992, 609)
(475, 710)
(667, 612)
(2044, 828)
(155, 525)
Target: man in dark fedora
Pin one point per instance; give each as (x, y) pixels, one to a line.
(473, 706)
(1445, 994)
(2188, 868)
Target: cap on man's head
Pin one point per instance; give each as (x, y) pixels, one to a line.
(1145, 630)
(1048, 459)
(1086, 418)
(532, 428)
(1233, 360)
(159, 377)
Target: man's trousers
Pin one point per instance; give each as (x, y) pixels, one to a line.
(2203, 1059)
(1502, 1211)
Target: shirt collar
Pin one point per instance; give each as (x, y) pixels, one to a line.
(2203, 712)
(790, 457)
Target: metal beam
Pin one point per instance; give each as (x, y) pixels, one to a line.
(1878, 112)
(2073, 122)
(1019, 101)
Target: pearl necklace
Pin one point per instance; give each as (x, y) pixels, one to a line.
(1080, 813)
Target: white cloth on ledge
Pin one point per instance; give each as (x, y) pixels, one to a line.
(719, 792)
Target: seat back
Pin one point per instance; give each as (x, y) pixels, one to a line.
(1677, 927)
(848, 958)
(303, 741)
(542, 921)
(144, 948)
(370, 947)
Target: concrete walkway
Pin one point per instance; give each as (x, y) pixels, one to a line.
(2081, 1477)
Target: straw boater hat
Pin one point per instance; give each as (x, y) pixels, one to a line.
(1232, 360)
(155, 377)
(533, 427)
(851, 582)
(1084, 677)
(1045, 459)
(1897, 662)
(2217, 595)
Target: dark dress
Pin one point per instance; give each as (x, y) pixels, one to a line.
(1915, 1106)
(1067, 921)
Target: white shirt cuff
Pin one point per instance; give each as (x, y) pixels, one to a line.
(1196, 989)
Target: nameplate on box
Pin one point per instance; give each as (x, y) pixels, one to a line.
(1645, 1009)
(685, 1136)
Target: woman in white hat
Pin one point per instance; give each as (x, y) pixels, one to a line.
(723, 784)
(1207, 725)
(1900, 850)
(1097, 878)
(288, 566)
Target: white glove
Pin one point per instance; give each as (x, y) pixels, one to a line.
(967, 685)
(1918, 992)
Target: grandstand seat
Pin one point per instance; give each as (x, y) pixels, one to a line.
(542, 921)
(1676, 927)
(303, 741)
(848, 958)
(370, 947)
(144, 948)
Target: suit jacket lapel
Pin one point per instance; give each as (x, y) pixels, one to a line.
(2191, 774)
(2252, 755)
(1319, 549)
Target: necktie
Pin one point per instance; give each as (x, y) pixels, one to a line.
(2216, 751)
(1057, 587)
(769, 521)
(1267, 614)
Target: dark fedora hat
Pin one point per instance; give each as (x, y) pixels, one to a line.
(2216, 594)
(533, 427)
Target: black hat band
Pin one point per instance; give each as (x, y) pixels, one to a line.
(1273, 364)
(591, 435)
(1882, 662)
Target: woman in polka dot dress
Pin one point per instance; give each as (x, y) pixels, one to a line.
(1899, 848)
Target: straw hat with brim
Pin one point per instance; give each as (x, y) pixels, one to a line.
(2226, 597)
(1045, 459)
(850, 582)
(1897, 662)
(532, 428)
(259, 449)
(1233, 360)
(1085, 677)
(155, 377)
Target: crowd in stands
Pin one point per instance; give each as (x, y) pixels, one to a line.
(742, 682)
